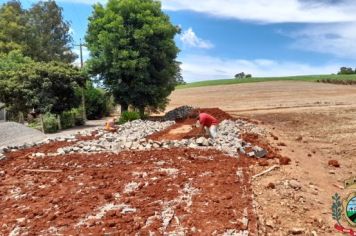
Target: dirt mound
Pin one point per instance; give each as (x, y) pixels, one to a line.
(161, 191)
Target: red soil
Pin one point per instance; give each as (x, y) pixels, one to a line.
(334, 163)
(254, 139)
(54, 203)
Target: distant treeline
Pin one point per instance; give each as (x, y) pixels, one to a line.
(346, 71)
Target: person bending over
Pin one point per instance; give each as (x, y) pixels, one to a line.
(207, 122)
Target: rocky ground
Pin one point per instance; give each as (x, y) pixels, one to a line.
(149, 177)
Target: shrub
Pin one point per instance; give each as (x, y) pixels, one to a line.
(35, 124)
(67, 120)
(78, 116)
(50, 123)
(128, 116)
(97, 102)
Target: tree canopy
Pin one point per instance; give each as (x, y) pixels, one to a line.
(133, 52)
(39, 32)
(46, 87)
(12, 27)
(346, 71)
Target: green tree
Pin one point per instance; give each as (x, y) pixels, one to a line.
(12, 61)
(346, 71)
(47, 87)
(12, 27)
(49, 37)
(133, 52)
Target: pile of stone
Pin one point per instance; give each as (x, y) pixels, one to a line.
(129, 136)
(178, 113)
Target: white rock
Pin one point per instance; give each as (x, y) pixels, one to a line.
(39, 155)
(60, 151)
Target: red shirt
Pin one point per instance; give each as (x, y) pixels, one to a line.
(207, 120)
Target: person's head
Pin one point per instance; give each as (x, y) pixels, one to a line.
(194, 114)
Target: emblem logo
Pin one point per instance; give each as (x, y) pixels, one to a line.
(345, 209)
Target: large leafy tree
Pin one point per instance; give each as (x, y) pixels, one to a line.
(47, 87)
(40, 32)
(49, 37)
(133, 52)
(12, 27)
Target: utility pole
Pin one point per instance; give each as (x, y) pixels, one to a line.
(81, 66)
(81, 53)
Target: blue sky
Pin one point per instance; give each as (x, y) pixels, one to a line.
(262, 37)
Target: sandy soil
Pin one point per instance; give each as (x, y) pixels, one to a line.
(310, 123)
(265, 95)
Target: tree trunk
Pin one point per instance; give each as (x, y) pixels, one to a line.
(59, 122)
(142, 112)
(124, 107)
(42, 124)
(83, 105)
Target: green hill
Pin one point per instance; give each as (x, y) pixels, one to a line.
(309, 78)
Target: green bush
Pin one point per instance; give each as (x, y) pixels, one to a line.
(35, 124)
(97, 102)
(50, 123)
(67, 120)
(128, 116)
(78, 116)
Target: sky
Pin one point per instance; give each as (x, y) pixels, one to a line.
(221, 38)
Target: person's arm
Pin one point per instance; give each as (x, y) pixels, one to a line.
(202, 130)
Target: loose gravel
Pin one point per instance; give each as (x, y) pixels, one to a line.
(15, 134)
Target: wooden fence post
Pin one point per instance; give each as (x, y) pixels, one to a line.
(42, 124)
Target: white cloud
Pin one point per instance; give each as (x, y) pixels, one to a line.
(265, 11)
(86, 55)
(71, 31)
(196, 68)
(88, 2)
(271, 11)
(335, 39)
(190, 39)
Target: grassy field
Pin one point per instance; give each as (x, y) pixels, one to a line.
(310, 78)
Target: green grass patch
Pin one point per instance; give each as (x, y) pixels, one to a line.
(308, 78)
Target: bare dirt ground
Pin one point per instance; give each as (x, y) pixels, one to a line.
(172, 191)
(182, 191)
(265, 95)
(310, 123)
